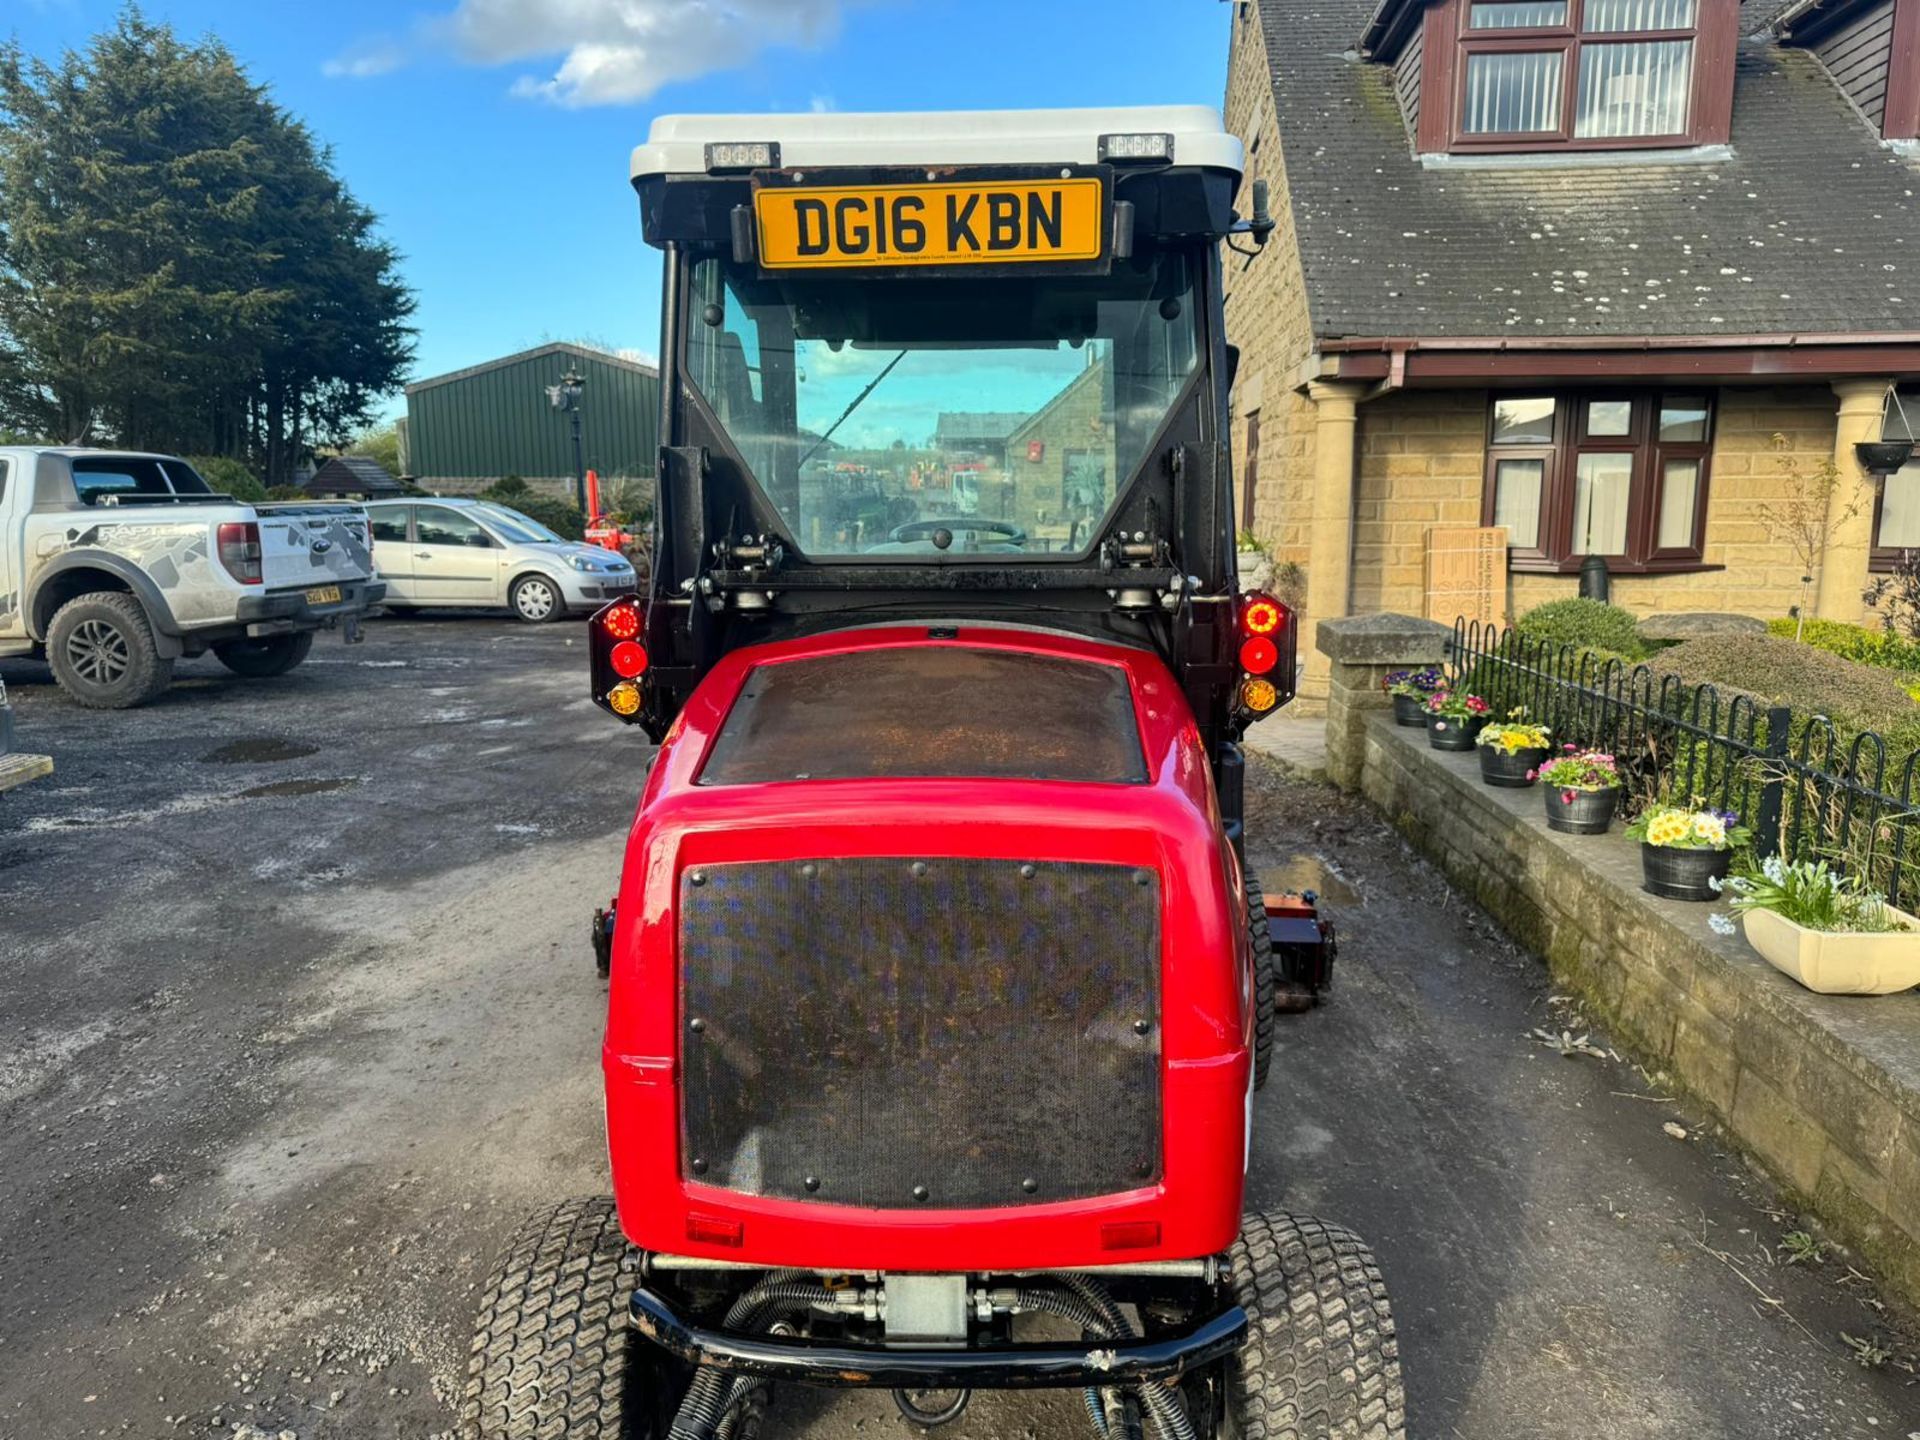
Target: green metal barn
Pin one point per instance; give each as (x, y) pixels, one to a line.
(466, 429)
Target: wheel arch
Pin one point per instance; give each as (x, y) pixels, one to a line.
(78, 573)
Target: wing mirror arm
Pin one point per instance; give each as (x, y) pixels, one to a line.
(1257, 228)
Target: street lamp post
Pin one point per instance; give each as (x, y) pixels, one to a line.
(566, 396)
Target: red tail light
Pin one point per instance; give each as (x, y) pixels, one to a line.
(239, 543)
(629, 659)
(1267, 655)
(622, 622)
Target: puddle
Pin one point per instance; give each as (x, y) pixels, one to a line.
(296, 787)
(258, 752)
(1310, 872)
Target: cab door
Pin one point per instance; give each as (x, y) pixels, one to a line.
(393, 550)
(455, 561)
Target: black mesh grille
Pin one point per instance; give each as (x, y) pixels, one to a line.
(895, 1033)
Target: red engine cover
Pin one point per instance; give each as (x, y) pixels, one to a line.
(1165, 819)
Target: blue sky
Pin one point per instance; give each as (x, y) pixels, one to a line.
(492, 135)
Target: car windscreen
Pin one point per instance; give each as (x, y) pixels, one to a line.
(986, 416)
(521, 529)
(95, 476)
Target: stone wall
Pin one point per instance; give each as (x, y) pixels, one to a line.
(1823, 1091)
(1266, 311)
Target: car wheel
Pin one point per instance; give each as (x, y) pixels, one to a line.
(553, 1353)
(1321, 1360)
(1265, 1015)
(102, 652)
(536, 599)
(264, 658)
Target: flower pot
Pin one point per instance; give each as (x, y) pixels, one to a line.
(1675, 873)
(1409, 710)
(1838, 963)
(1510, 769)
(1446, 733)
(1580, 812)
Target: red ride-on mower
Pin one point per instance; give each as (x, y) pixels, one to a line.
(938, 989)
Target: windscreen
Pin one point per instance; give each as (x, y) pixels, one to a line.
(986, 416)
(522, 529)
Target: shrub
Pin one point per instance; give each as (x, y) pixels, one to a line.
(1854, 642)
(287, 492)
(229, 477)
(1774, 671)
(1585, 624)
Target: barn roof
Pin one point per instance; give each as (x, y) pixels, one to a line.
(553, 347)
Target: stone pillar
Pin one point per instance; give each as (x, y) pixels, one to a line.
(1330, 518)
(1843, 569)
(1361, 650)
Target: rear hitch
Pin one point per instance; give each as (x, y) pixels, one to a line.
(1304, 946)
(603, 938)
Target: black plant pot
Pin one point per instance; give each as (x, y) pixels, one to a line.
(1588, 812)
(1409, 710)
(1510, 770)
(1446, 733)
(1677, 874)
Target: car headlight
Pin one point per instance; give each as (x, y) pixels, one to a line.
(582, 562)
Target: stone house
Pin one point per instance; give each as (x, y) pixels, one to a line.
(1595, 271)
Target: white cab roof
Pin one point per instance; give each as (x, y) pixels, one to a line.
(676, 144)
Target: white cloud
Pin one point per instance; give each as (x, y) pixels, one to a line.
(367, 58)
(612, 51)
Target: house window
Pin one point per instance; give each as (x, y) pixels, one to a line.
(1614, 474)
(1576, 74)
(1896, 510)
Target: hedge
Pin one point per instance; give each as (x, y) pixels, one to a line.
(1855, 642)
(1585, 625)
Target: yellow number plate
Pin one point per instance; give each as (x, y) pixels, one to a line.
(884, 225)
(324, 595)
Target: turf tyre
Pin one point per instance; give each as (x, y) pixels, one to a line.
(102, 651)
(1266, 1016)
(552, 1353)
(1321, 1361)
(264, 658)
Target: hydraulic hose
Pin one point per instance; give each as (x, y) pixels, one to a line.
(713, 1394)
(1159, 1399)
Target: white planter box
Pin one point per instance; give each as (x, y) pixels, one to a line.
(1838, 964)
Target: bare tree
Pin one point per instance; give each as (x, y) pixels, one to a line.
(1804, 518)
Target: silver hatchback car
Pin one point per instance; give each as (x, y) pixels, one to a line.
(458, 552)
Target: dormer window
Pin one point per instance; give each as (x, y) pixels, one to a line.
(1506, 76)
(1574, 70)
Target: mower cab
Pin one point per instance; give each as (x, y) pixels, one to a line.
(939, 990)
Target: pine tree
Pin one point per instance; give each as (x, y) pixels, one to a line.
(180, 266)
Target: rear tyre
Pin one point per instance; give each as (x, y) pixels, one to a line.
(536, 599)
(262, 659)
(102, 652)
(552, 1352)
(1321, 1361)
(1265, 1018)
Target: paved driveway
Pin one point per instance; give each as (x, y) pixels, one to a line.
(296, 1019)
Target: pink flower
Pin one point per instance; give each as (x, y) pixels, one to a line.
(1566, 797)
(1532, 775)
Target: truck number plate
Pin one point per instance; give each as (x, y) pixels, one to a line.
(324, 595)
(993, 223)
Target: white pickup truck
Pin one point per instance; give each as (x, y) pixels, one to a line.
(113, 565)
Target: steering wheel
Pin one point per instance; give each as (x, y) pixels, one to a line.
(930, 530)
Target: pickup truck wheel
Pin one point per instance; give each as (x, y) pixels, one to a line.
(102, 652)
(553, 1354)
(536, 599)
(264, 658)
(1321, 1361)
(1265, 1016)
